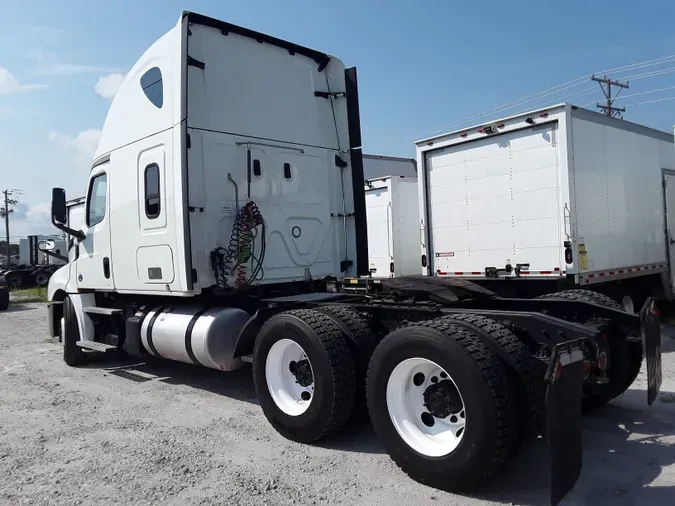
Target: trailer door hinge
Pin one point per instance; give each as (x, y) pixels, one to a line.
(327, 94)
(188, 141)
(345, 264)
(340, 162)
(341, 215)
(195, 63)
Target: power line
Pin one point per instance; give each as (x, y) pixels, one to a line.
(651, 101)
(653, 73)
(636, 94)
(561, 87)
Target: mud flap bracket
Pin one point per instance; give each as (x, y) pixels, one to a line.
(651, 331)
(565, 376)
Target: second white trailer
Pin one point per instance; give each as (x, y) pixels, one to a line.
(392, 214)
(561, 194)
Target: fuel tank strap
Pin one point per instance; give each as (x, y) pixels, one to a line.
(149, 332)
(188, 336)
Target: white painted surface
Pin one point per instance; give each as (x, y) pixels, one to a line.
(392, 213)
(495, 201)
(248, 94)
(518, 196)
(618, 197)
(258, 98)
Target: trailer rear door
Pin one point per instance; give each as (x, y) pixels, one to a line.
(380, 240)
(495, 201)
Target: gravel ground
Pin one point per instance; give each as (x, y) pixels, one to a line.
(128, 432)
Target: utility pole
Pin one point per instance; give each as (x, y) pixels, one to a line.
(4, 212)
(609, 108)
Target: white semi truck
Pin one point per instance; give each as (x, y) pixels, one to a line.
(556, 198)
(225, 223)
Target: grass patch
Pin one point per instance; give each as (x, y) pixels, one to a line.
(31, 294)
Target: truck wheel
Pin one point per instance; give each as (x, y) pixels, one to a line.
(441, 404)
(525, 372)
(4, 299)
(72, 354)
(304, 375)
(14, 281)
(625, 357)
(42, 279)
(361, 339)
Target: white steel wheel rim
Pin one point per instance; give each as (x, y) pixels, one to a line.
(291, 394)
(627, 303)
(410, 416)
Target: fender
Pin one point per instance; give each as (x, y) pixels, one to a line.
(59, 286)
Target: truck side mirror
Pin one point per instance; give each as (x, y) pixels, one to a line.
(47, 245)
(59, 212)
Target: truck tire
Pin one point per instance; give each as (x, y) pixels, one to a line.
(361, 339)
(14, 280)
(584, 296)
(625, 356)
(4, 299)
(304, 375)
(440, 373)
(525, 372)
(72, 354)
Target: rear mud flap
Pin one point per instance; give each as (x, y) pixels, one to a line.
(651, 328)
(565, 377)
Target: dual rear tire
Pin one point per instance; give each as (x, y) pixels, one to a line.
(447, 409)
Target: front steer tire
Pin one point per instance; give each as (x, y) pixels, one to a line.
(482, 380)
(73, 355)
(332, 364)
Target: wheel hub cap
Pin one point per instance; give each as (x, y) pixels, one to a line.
(302, 372)
(442, 399)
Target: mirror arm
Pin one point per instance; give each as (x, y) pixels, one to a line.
(77, 234)
(55, 255)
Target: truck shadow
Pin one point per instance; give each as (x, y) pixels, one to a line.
(626, 447)
(236, 384)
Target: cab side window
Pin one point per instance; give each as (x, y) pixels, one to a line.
(96, 200)
(152, 196)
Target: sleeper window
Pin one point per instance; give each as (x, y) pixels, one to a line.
(152, 196)
(151, 82)
(96, 202)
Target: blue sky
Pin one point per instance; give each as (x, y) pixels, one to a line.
(421, 65)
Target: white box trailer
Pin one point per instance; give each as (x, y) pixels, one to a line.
(392, 215)
(559, 194)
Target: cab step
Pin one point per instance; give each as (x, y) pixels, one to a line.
(96, 346)
(109, 311)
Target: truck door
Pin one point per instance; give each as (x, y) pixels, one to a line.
(669, 184)
(94, 265)
(380, 242)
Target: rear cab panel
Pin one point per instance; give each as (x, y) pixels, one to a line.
(262, 128)
(497, 198)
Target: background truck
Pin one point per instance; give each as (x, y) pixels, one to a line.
(225, 223)
(392, 215)
(553, 198)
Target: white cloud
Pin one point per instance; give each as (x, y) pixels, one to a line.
(10, 84)
(107, 86)
(82, 145)
(31, 219)
(49, 64)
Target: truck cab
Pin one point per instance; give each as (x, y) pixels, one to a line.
(213, 124)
